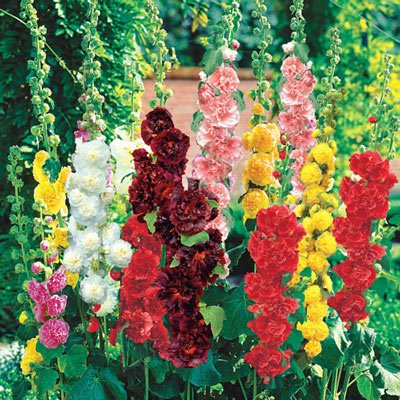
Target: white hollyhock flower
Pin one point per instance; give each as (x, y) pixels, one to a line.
(91, 154)
(122, 180)
(108, 306)
(73, 259)
(110, 233)
(91, 180)
(122, 151)
(76, 197)
(90, 212)
(120, 253)
(89, 240)
(93, 289)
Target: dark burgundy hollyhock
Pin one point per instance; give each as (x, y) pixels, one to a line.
(156, 121)
(170, 146)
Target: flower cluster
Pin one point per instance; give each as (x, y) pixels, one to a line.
(262, 140)
(273, 246)
(141, 312)
(94, 244)
(180, 213)
(49, 305)
(30, 356)
(366, 198)
(215, 133)
(319, 244)
(297, 120)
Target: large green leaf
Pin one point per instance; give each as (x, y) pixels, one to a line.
(238, 96)
(362, 341)
(367, 388)
(45, 379)
(114, 387)
(236, 253)
(388, 369)
(49, 354)
(89, 387)
(215, 316)
(211, 60)
(150, 219)
(237, 314)
(333, 346)
(204, 375)
(73, 363)
(198, 116)
(158, 368)
(169, 389)
(190, 241)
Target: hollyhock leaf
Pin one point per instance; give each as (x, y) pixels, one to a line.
(212, 59)
(214, 295)
(112, 384)
(89, 387)
(194, 239)
(204, 375)
(73, 364)
(169, 389)
(395, 220)
(367, 389)
(25, 332)
(215, 316)
(219, 270)
(238, 96)
(301, 50)
(150, 221)
(20, 389)
(237, 314)
(213, 203)
(235, 254)
(52, 168)
(333, 346)
(158, 368)
(362, 343)
(174, 262)
(45, 379)
(295, 340)
(230, 370)
(388, 370)
(49, 354)
(198, 116)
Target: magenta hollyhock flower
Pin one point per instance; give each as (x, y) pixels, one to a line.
(53, 333)
(57, 281)
(38, 292)
(56, 304)
(82, 133)
(40, 312)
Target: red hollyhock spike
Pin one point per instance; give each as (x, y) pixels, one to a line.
(372, 120)
(94, 325)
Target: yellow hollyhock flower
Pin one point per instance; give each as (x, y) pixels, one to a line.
(31, 355)
(253, 201)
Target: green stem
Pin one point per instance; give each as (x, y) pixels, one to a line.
(345, 384)
(146, 373)
(324, 385)
(333, 384)
(106, 348)
(255, 385)
(243, 389)
(87, 334)
(188, 390)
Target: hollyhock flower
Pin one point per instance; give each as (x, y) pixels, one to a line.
(220, 224)
(120, 253)
(40, 312)
(56, 304)
(156, 121)
(57, 281)
(268, 362)
(190, 211)
(295, 91)
(94, 325)
(225, 79)
(91, 154)
(292, 67)
(349, 305)
(367, 254)
(38, 292)
(229, 54)
(222, 111)
(36, 267)
(207, 133)
(205, 95)
(222, 193)
(53, 333)
(227, 149)
(276, 220)
(355, 275)
(300, 156)
(82, 133)
(350, 235)
(208, 170)
(93, 289)
(140, 331)
(288, 47)
(272, 330)
(170, 146)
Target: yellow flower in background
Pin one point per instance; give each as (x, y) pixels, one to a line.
(265, 138)
(40, 159)
(253, 201)
(363, 25)
(53, 199)
(72, 279)
(258, 169)
(31, 355)
(326, 244)
(23, 317)
(258, 109)
(61, 237)
(313, 348)
(310, 174)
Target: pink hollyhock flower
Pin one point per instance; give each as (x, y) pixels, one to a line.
(205, 95)
(40, 312)
(221, 191)
(53, 256)
(208, 170)
(36, 267)
(219, 223)
(225, 79)
(57, 281)
(301, 139)
(38, 292)
(82, 133)
(229, 54)
(300, 156)
(226, 264)
(222, 111)
(296, 91)
(56, 304)
(288, 47)
(53, 333)
(292, 67)
(208, 133)
(228, 148)
(109, 176)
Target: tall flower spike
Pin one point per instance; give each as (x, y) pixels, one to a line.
(317, 207)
